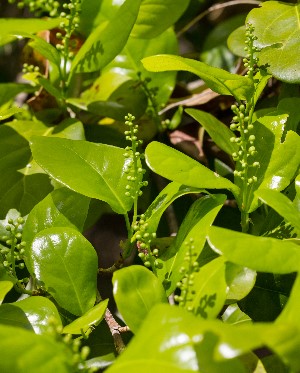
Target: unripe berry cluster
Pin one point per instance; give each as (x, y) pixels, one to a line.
(186, 285)
(12, 254)
(39, 6)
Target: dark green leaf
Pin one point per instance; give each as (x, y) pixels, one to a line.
(14, 316)
(136, 291)
(8, 91)
(56, 254)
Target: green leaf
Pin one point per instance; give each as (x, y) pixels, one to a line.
(195, 226)
(11, 26)
(155, 17)
(136, 291)
(25, 183)
(217, 130)
(91, 318)
(61, 208)
(40, 312)
(278, 34)
(23, 351)
(292, 308)
(217, 79)
(9, 112)
(5, 287)
(168, 195)
(210, 290)
(178, 341)
(94, 170)
(8, 91)
(240, 281)
(100, 47)
(278, 160)
(128, 64)
(178, 167)
(14, 316)
(281, 204)
(262, 254)
(233, 315)
(56, 254)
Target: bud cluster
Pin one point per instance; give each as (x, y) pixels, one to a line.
(39, 6)
(70, 14)
(144, 239)
(133, 161)
(30, 68)
(12, 253)
(250, 61)
(186, 285)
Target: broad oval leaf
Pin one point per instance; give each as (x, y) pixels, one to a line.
(24, 351)
(217, 79)
(61, 208)
(91, 318)
(240, 281)
(262, 254)
(278, 34)
(136, 291)
(94, 170)
(55, 255)
(39, 311)
(176, 166)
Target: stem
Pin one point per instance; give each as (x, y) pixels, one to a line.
(128, 226)
(116, 330)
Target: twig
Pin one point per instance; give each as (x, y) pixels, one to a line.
(116, 330)
(212, 9)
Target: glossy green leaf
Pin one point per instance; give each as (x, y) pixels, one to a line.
(168, 195)
(277, 29)
(5, 287)
(195, 226)
(100, 47)
(210, 290)
(61, 208)
(94, 170)
(56, 254)
(217, 130)
(217, 79)
(91, 318)
(11, 26)
(278, 160)
(262, 254)
(23, 351)
(136, 291)
(233, 315)
(40, 312)
(292, 308)
(190, 344)
(25, 183)
(14, 316)
(155, 17)
(176, 166)
(240, 281)
(281, 204)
